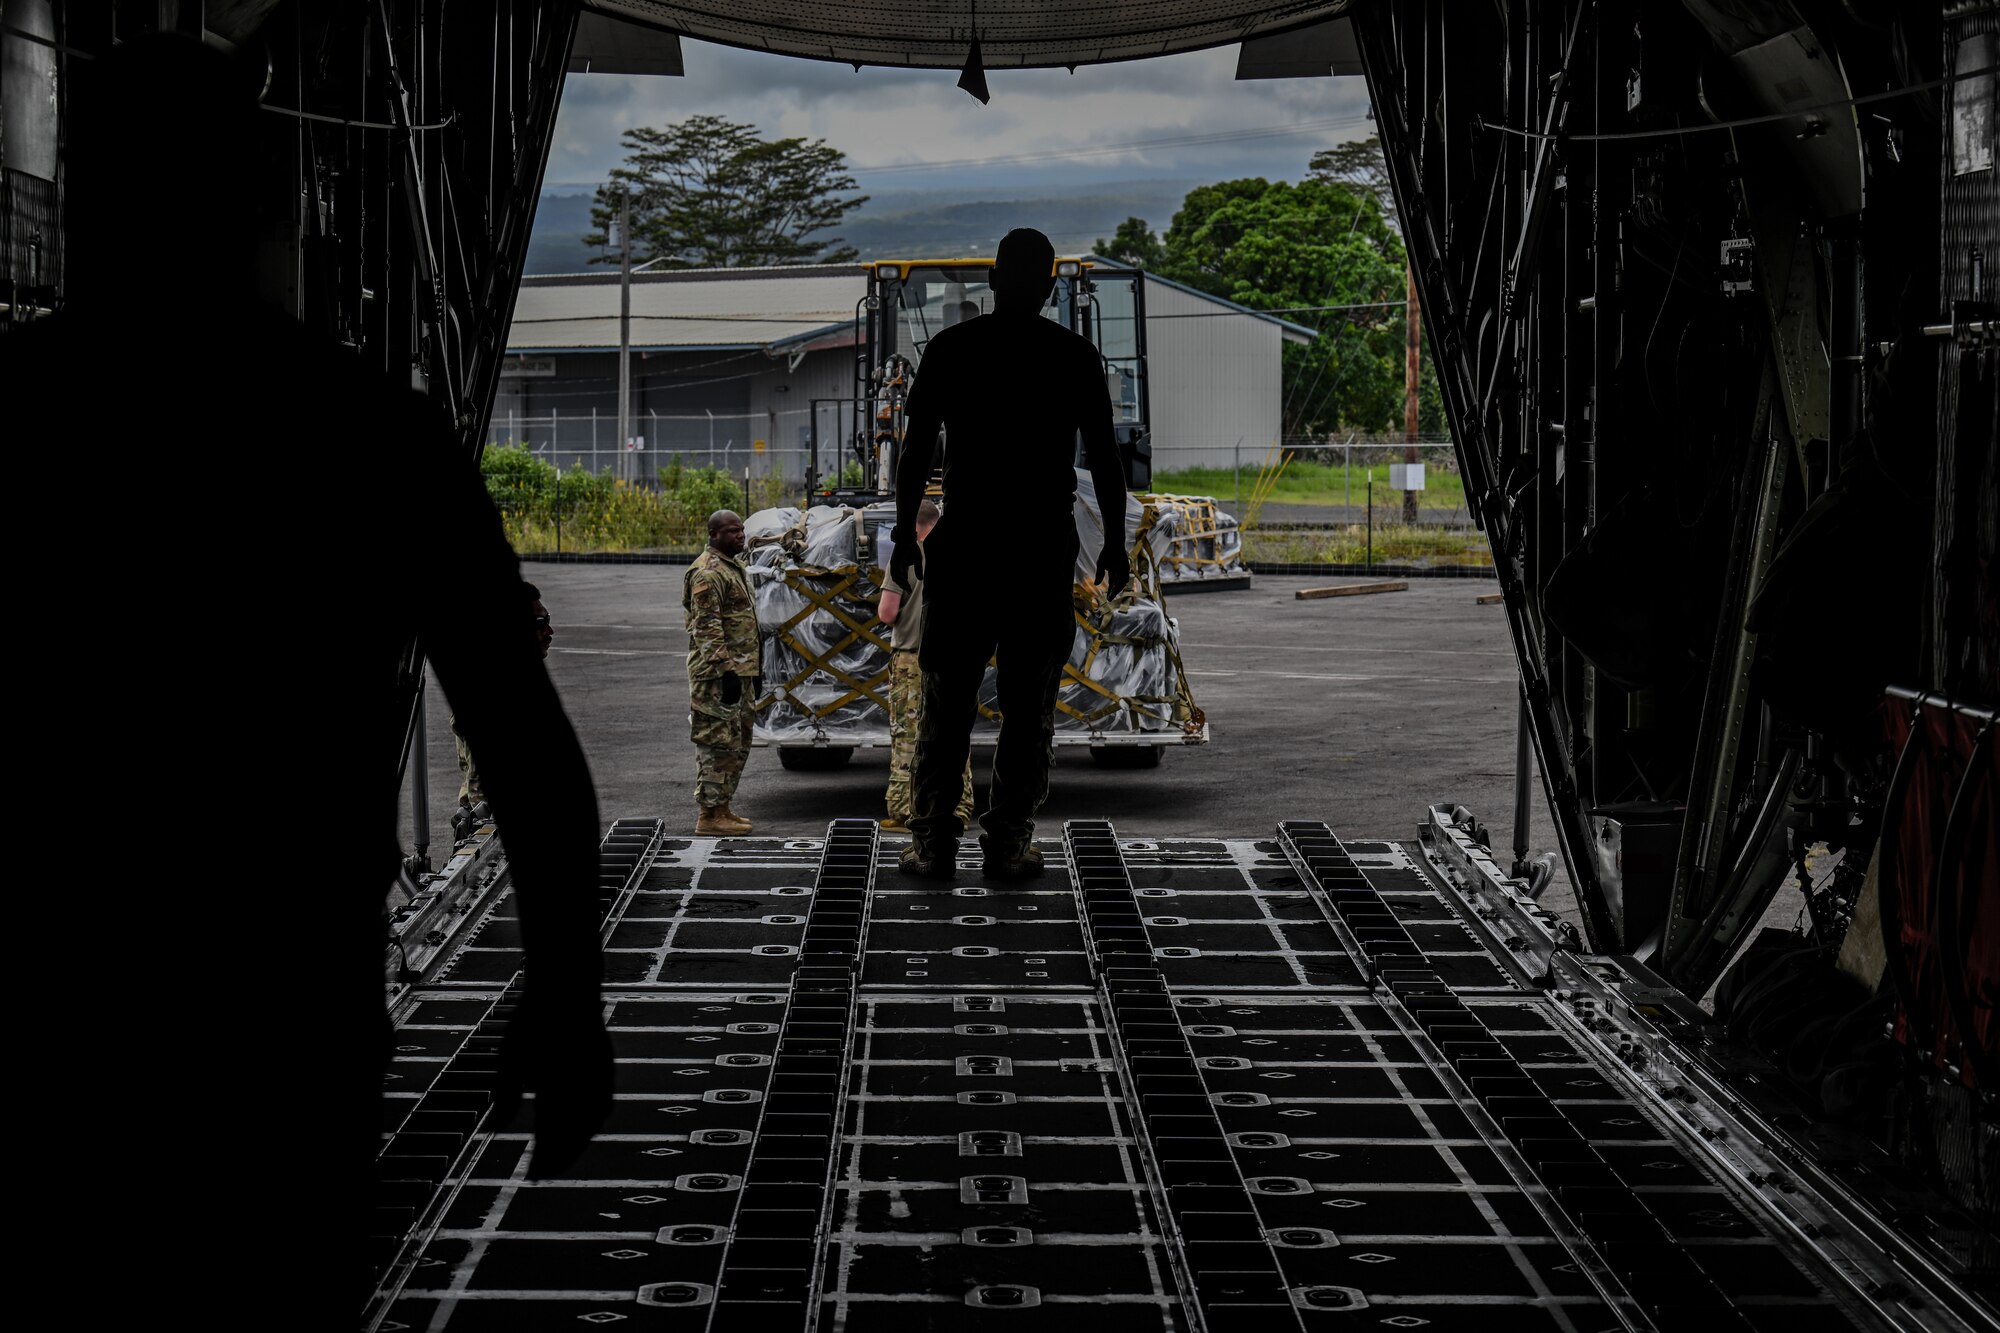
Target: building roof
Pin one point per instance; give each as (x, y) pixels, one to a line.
(1287, 330)
(686, 309)
(732, 309)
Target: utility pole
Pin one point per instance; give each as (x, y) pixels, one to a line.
(1411, 360)
(626, 466)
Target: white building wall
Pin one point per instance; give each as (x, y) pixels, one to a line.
(1217, 380)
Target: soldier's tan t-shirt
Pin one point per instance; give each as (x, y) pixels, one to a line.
(907, 634)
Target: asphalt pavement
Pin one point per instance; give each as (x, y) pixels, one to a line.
(1356, 710)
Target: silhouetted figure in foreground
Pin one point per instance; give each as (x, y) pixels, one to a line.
(263, 540)
(1013, 390)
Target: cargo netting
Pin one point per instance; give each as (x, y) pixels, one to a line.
(1191, 538)
(817, 579)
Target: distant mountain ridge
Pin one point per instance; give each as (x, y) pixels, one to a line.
(909, 224)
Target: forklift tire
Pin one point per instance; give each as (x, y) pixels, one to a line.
(816, 759)
(1127, 756)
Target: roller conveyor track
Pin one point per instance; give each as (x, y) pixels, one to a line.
(1224, 1084)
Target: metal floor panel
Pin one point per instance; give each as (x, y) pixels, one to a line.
(1188, 1084)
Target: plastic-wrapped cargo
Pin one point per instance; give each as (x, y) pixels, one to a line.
(817, 579)
(1194, 540)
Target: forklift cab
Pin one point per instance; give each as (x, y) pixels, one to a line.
(908, 302)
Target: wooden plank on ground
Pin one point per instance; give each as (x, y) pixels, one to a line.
(1489, 599)
(1351, 589)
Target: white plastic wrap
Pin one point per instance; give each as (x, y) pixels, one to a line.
(826, 656)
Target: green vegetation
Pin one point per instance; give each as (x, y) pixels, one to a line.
(1323, 250)
(1309, 483)
(598, 512)
(1349, 545)
(707, 192)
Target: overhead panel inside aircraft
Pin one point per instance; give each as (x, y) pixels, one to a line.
(935, 34)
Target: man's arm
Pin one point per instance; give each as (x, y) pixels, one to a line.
(479, 637)
(1107, 473)
(925, 415)
(913, 471)
(708, 647)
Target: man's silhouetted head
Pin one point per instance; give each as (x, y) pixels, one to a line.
(1024, 270)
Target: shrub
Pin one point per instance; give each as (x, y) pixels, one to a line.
(599, 512)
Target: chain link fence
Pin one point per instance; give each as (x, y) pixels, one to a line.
(564, 484)
(760, 445)
(1315, 480)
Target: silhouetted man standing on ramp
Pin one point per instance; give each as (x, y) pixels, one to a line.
(1014, 391)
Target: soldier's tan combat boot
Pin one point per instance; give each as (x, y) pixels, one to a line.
(739, 823)
(714, 822)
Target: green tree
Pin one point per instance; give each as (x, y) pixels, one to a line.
(1133, 243)
(1300, 247)
(710, 193)
(1360, 163)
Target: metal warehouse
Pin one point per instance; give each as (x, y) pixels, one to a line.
(730, 367)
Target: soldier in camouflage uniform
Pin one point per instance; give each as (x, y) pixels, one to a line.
(902, 609)
(723, 665)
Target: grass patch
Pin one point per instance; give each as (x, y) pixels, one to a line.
(1310, 483)
(1349, 545)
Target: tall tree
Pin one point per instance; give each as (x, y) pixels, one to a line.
(710, 193)
(1133, 243)
(1300, 248)
(1360, 163)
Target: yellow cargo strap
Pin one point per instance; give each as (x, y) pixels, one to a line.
(1199, 525)
(822, 589)
(805, 581)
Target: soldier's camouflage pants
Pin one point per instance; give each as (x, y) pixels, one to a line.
(721, 735)
(906, 706)
(470, 792)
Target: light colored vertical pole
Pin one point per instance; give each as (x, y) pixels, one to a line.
(626, 466)
(1520, 867)
(1412, 359)
(420, 781)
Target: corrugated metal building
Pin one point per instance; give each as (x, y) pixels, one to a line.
(1217, 376)
(730, 366)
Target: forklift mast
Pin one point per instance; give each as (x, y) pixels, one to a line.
(909, 301)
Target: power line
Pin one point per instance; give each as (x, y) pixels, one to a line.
(1284, 310)
(803, 317)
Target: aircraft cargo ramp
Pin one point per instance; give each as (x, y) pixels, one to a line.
(1218, 1084)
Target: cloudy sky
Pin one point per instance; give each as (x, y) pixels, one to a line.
(1194, 120)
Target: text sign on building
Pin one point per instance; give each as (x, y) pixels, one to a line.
(529, 367)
